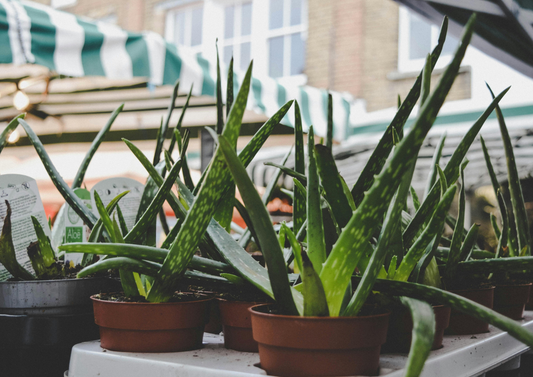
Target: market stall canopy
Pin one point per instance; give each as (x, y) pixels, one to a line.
(73, 46)
(504, 28)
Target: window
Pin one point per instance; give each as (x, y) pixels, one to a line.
(237, 39)
(185, 27)
(274, 32)
(417, 38)
(286, 38)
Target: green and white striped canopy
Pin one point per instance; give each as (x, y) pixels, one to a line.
(74, 46)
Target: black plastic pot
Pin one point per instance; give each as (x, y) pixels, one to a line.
(40, 345)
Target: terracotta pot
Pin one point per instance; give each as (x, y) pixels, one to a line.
(463, 324)
(318, 346)
(401, 326)
(510, 300)
(237, 325)
(151, 327)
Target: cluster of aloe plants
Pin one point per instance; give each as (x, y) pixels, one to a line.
(335, 232)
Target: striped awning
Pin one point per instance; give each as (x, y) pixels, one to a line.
(74, 46)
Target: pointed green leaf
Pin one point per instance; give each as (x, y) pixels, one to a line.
(315, 304)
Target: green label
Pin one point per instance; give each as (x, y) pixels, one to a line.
(74, 234)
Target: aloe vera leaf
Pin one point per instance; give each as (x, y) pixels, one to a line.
(390, 226)
(422, 335)
(80, 174)
(13, 124)
(224, 212)
(482, 266)
(47, 252)
(433, 229)
(202, 210)
(458, 303)
(414, 196)
(248, 221)
(332, 183)
(515, 189)
(299, 176)
(315, 238)
(164, 125)
(171, 236)
(228, 248)
(299, 213)
(454, 255)
(503, 239)
(442, 180)
(267, 195)
(295, 245)
(432, 177)
(140, 285)
(451, 171)
(391, 272)
(494, 180)
(272, 252)
(329, 134)
(233, 278)
(442, 252)
(426, 80)
(183, 144)
(470, 241)
(122, 263)
(151, 212)
(315, 304)
(495, 227)
(123, 227)
(98, 227)
(229, 87)
(381, 152)
(153, 254)
(220, 106)
(126, 277)
(180, 121)
(431, 274)
(7, 250)
(70, 197)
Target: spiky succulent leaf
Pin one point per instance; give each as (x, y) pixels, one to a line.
(432, 177)
(263, 225)
(6, 132)
(470, 242)
(315, 304)
(299, 202)
(421, 336)
(164, 125)
(180, 121)
(80, 174)
(457, 238)
(329, 134)
(381, 152)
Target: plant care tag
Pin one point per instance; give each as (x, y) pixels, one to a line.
(74, 230)
(23, 196)
(109, 188)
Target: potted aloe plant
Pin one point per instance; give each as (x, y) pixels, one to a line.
(47, 303)
(326, 278)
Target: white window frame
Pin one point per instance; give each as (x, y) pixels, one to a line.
(171, 21)
(213, 26)
(237, 40)
(286, 32)
(406, 64)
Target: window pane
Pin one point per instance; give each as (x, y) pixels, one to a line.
(245, 55)
(229, 21)
(419, 37)
(296, 12)
(196, 27)
(228, 53)
(179, 29)
(246, 21)
(450, 45)
(276, 14)
(275, 57)
(297, 54)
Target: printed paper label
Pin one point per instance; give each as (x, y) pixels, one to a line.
(23, 196)
(74, 228)
(109, 188)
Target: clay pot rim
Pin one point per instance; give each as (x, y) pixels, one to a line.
(513, 285)
(242, 301)
(314, 318)
(150, 303)
(41, 281)
(473, 289)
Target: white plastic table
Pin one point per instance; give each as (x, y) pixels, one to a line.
(468, 355)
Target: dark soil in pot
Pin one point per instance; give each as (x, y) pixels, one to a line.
(129, 326)
(401, 326)
(318, 346)
(510, 300)
(463, 324)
